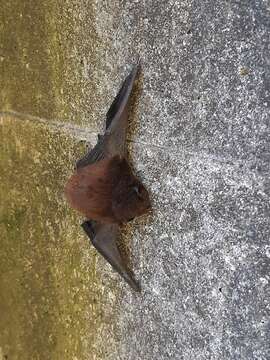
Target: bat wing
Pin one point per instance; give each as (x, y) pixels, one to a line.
(117, 117)
(103, 237)
(113, 142)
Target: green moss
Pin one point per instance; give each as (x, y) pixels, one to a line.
(41, 61)
(25, 70)
(49, 290)
(50, 295)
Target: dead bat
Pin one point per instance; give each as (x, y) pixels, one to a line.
(104, 188)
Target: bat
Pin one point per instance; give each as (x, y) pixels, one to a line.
(104, 188)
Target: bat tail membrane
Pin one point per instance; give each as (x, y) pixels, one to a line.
(121, 100)
(103, 237)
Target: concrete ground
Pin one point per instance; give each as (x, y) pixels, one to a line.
(199, 139)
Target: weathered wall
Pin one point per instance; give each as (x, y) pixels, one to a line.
(200, 140)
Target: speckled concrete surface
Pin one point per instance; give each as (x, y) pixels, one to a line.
(200, 140)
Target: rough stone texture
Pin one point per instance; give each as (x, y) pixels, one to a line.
(47, 282)
(200, 140)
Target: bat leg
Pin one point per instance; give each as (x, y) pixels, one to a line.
(103, 237)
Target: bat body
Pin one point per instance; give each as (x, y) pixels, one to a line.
(107, 191)
(104, 188)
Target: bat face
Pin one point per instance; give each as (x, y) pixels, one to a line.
(130, 199)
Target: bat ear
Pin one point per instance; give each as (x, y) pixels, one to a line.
(103, 237)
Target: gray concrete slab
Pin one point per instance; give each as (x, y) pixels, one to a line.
(202, 146)
(200, 140)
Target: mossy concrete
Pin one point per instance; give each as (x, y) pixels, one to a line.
(42, 69)
(53, 303)
(200, 141)
(49, 288)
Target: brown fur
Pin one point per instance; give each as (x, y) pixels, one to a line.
(107, 191)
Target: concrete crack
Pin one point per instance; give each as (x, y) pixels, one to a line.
(85, 134)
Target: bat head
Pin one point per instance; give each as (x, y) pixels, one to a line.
(130, 198)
